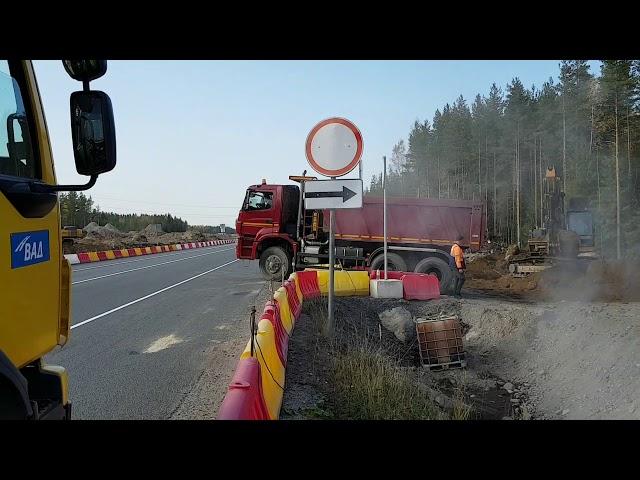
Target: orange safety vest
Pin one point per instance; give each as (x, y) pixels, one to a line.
(456, 252)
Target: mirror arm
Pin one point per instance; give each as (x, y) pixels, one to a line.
(41, 187)
(85, 86)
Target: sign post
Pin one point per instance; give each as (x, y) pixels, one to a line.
(333, 148)
(332, 262)
(384, 212)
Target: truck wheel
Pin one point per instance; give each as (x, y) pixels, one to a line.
(439, 268)
(272, 261)
(394, 262)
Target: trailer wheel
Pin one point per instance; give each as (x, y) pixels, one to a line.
(394, 262)
(439, 268)
(272, 261)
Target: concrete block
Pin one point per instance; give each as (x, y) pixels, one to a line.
(380, 288)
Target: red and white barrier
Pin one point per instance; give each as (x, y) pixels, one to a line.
(89, 257)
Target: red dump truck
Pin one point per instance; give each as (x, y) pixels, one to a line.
(274, 228)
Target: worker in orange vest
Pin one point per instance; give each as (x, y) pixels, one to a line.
(458, 265)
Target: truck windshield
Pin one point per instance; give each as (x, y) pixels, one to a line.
(581, 223)
(258, 200)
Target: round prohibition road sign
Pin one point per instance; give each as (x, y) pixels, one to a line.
(334, 147)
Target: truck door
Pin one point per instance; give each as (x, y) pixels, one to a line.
(30, 260)
(258, 212)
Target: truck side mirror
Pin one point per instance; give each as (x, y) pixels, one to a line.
(93, 132)
(85, 70)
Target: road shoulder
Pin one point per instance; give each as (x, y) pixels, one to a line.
(205, 396)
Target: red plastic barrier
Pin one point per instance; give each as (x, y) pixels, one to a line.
(272, 313)
(419, 286)
(308, 281)
(84, 257)
(244, 400)
(292, 296)
(391, 275)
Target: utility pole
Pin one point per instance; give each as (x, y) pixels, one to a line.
(618, 252)
(564, 148)
(495, 198)
(518, 184)
(535, 181)
(628, 145)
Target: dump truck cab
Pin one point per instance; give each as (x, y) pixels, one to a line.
(266, 227)
(35, 298)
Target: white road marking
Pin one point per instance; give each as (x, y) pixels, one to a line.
(149, 266)
(133, 302)
(162, 343)
(111, 263)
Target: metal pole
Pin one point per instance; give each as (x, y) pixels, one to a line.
(384, 212)
(300, 203)
(332, 261)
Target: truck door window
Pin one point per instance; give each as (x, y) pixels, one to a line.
(16, 150)
(259, 200)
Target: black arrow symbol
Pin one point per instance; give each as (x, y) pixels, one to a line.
(346, 194)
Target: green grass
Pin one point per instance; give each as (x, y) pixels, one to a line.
(370, 386)
(366, 380)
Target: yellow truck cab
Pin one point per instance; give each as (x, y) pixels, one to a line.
(35, 278)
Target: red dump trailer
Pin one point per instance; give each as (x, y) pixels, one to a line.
(273, 227)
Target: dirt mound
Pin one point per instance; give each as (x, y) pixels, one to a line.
(139, 237)
(491, 274)
(95, 231)
(108, 237)
(484, 268)
(596, 281)
(91, 227)
(154, 228)
(512, 251)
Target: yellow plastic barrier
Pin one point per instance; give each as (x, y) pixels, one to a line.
(346, 282)
(271, 368)
(285, 313)
(294, 278)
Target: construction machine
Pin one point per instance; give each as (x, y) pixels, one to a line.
(71, 233)
(35, 298)
(563, 235)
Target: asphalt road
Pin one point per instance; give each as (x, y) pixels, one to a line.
(144, 328)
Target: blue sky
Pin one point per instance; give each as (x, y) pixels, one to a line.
(192, 135)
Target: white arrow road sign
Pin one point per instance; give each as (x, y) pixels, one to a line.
(320, 194)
